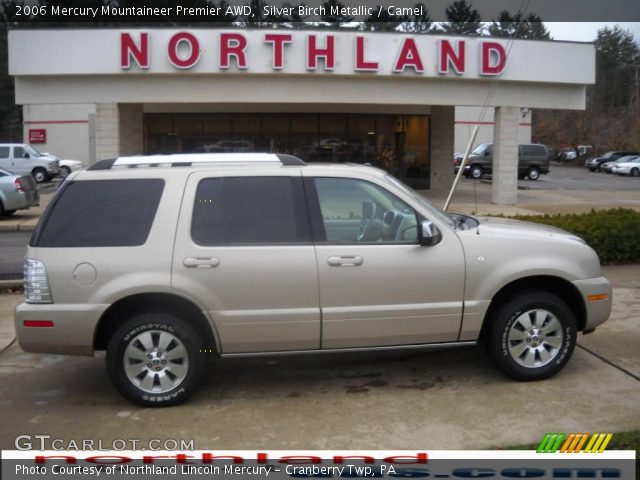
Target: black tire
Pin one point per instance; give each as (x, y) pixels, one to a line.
(39, 175)
(1, 209)
(153, 325)
(592, 170)
(476, 171)
(9, 212)
(509, 317)
(65, 171)
(533, 173)
(635, 172)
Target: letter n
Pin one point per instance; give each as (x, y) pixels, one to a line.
(129, 49)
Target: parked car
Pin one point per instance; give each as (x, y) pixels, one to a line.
(566, 153)
(68, 166)
(21, 158)
(17, 192)
(264, 254)
(607, 166)
(594, 164)
(533, 160)
(630, 167)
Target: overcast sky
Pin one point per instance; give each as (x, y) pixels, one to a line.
(586, 32)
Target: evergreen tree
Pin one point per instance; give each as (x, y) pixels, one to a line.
(520, 26)
(616, 64)
(462, 19)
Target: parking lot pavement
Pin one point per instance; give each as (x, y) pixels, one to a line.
(566, 189)
(451, 399)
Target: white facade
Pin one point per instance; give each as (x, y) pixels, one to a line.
(91, 89)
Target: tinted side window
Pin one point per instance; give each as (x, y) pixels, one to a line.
(4, 152)
(102, 213)
(18, 152)
(534, 151)
(250, 210)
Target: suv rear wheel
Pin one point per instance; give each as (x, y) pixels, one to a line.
(155, 359)
(635, 172)
(532, 336)
(533, 173)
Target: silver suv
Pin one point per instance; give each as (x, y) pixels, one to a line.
(183, 256)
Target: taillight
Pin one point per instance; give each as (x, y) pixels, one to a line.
(18, 185)
(36, 282)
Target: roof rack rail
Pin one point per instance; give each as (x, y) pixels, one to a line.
(190, 159)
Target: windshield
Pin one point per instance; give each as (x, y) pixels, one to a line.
(608, 154)
(33, 151)
(480, 149)
(444, 216)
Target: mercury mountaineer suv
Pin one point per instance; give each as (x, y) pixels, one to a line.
(161, 260)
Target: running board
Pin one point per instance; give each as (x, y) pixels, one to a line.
(427, 346)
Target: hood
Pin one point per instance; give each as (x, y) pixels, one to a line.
(48, 156)
(519, 228)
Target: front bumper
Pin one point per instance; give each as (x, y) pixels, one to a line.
(73, 330)
(597, 311)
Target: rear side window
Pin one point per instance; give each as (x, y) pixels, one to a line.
(534, 150)
(249, 211)
(4, 152)
(101, 213)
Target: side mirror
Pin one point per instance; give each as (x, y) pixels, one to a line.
(26, 155)
(429, 234)
(486, 153)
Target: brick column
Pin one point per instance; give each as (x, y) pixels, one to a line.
(442, 138)
(116, 130)
(505, 156)
(107, 131)
(131, 134)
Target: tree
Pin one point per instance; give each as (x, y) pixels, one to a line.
(462, 19)
(420, 23)
(529, 27)
(612, 117)
(10, 113)
(381, 21)
(616, 62)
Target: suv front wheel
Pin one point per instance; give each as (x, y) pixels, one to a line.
(155, 359)
(532, 335)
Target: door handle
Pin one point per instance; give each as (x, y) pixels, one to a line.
(345, 261)
(201, 262)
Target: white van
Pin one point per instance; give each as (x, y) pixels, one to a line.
(20, 158)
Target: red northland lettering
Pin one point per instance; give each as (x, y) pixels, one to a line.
(420, 458)
(183, 51)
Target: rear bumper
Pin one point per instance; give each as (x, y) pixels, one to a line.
(73, 330)
(21, 200)
(597, 311)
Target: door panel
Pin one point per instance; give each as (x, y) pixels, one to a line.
(261, 295)
(397, 292)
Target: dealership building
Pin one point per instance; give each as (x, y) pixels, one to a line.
(402, 102)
